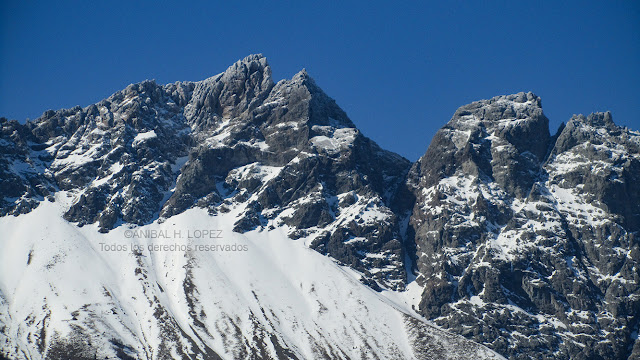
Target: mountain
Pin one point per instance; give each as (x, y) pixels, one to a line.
(236, 217)
(526, 242)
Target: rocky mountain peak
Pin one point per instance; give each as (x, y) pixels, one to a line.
(251, 66)
(601, 157)
(597, 119)
(504, 107)
(515, 227)
(595, 128)
(278, 154)
(301, 76)
(499, 139)
(240, 89)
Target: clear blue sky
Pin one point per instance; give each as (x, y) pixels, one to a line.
(399, 69)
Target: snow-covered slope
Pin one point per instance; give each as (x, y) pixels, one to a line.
(69, 292)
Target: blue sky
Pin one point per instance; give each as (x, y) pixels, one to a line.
(399, 69)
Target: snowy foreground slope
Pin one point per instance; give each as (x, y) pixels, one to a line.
(63, 295)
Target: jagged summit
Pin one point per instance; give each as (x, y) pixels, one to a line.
(501, 138)
(521, 97)
(254, 58)
(510, 103)
(250, 66)
(604, 119)
(301, 76)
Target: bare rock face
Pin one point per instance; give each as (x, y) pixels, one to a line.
(526, 242)
(22, 182)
